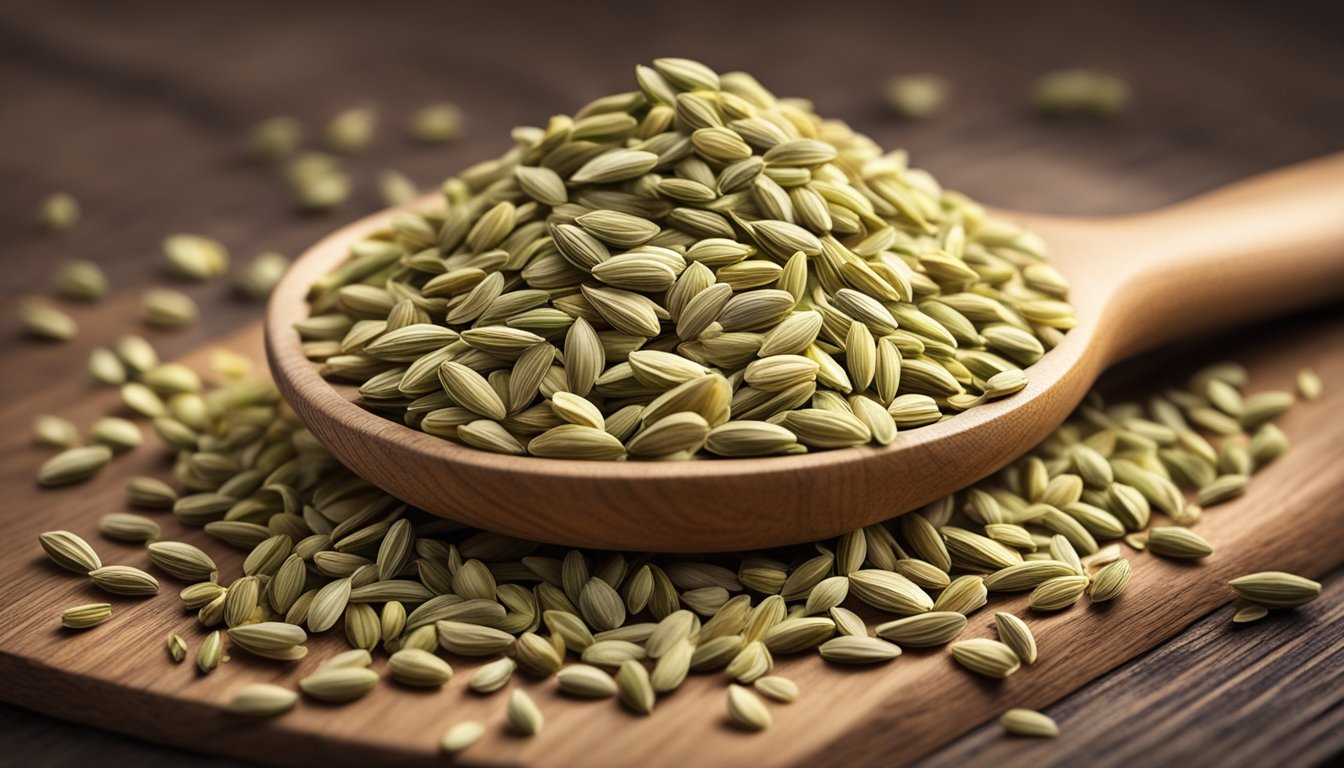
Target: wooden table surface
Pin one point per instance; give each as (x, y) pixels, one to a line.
(137, 108)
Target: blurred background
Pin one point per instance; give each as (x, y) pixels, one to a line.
(141, 109)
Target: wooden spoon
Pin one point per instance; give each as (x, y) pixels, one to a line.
(1243, 252)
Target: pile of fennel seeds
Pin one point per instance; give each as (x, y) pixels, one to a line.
(694, 268)
(327, 552)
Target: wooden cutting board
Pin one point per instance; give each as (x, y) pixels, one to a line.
(118, 676)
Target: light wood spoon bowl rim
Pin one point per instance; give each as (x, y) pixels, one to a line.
(343, 426)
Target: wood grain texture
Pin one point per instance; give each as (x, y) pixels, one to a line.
(1291, 663)
(137, 106)
(116, 675)
(1244, 252)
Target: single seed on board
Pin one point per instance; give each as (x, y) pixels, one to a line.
(73, 465)
(1276, 589)
(81, 281)
(208, 655)
(461, 736)
(437, 123)
(1026, 722)
(262, 700)
(70, 552)
(781, 689)
(1014, 633)
(44, 321)
(59, 211)
(273, 139)
(986, 657)
(746, 710)
(195, 257)
(524, 717)
(1177, 542)
(1249, 613)
(164, 308)
(489, 678)
(418, 668)
(124, 580)
(54, 431)
(85, 616)
(177, 648)
(634, 687)
(339, 684)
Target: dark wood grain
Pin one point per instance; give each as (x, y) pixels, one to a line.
(137, 107)
(1291, 664)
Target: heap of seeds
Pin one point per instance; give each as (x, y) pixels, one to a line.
(328, 552)
(692, 268)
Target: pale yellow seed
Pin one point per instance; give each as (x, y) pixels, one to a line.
(59, 212)
(70, 552)
(85, 616)
(781, 689)
(1308, 384)
(165, 308)
(523, 715)
(1026, 722)
(634, 688)
(1249, 613)
(1177, 542)
(1276, 589)
(419, 668)
(461, 736)
(177, 648)
(73, 465)
(339, 684)
(489, 678)
(746, 710)
(986, 657)
(1015, 634)
(262, 700)
(195, 257)
(1110, 581)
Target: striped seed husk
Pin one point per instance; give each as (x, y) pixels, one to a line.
(493, 676)
(1014, 633)
(1110, 581)
(70, 552)
(781, 689)
(634, 689)
(707, 263)
(338, 685)
(1276, 589)
(586, 681)
(982, 656)
(1176, 542)
(746, 710)
(418, 668)
(1057, 593)
(524, 718)
(857, 649)
(124, 580)
(923, 630)
(73, 465)
(85, 616)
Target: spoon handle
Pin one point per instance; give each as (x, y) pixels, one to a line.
(1242, 252)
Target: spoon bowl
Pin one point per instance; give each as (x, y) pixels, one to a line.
(1246, 251)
